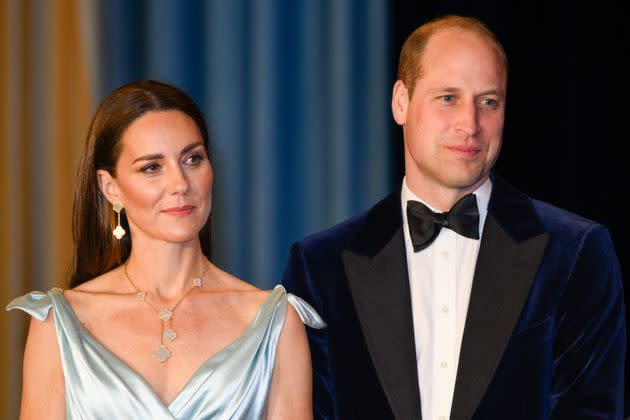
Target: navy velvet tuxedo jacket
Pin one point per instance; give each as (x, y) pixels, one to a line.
(545, 330)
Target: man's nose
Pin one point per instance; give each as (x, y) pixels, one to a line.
(468, 119)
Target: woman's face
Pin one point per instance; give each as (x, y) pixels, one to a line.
(163, 178)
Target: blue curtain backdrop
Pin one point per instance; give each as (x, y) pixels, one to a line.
(297, 98)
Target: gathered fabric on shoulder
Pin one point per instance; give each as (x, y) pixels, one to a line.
(232, 384)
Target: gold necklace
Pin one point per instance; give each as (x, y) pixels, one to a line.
(166, 315)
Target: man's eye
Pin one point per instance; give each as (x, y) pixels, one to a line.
(448, 98)
(490, 102)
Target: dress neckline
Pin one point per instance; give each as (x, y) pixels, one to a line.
(206, 367)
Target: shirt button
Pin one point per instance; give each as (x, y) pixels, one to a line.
(444, 309)
(444, 254)
(443, 364)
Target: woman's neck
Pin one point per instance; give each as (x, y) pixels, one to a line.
(165, 270)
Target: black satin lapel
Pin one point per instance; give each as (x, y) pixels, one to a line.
(380, 289)
(503, 277)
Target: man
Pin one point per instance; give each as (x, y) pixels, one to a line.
(504, 307)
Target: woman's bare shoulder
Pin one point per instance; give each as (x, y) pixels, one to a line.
(105, 283)
(241, 293)
(96, 294)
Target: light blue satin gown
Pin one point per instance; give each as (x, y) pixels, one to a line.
(232, 384)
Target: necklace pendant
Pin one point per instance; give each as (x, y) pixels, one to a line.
(162, 353)
(165, 314)
(197, 282)
(169, 335)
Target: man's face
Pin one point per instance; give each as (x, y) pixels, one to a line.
(453, 123)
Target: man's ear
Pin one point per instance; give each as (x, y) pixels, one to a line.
(400, 102)
(108, 186)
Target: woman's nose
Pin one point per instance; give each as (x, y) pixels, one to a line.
(177, 180)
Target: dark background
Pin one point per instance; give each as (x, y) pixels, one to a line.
(567, 103)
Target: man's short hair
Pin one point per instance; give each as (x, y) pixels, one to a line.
(409, 69)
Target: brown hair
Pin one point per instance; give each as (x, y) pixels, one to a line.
(96, 251)
(409, 69)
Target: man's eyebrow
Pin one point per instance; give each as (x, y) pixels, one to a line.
(496, 92)
(445, 89)
(449, 89)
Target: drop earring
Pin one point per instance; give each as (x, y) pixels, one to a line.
(118, 232)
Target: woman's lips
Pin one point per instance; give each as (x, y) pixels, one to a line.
(179, 211)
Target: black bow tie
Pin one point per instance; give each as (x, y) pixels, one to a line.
(425, 225)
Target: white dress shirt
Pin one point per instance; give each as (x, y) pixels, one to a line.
(440, 280)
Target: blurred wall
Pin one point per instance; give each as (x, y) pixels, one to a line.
(45, 105)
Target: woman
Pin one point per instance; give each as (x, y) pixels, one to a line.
(150, 328)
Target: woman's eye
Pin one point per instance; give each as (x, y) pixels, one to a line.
(151, 168)
(194, 159)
